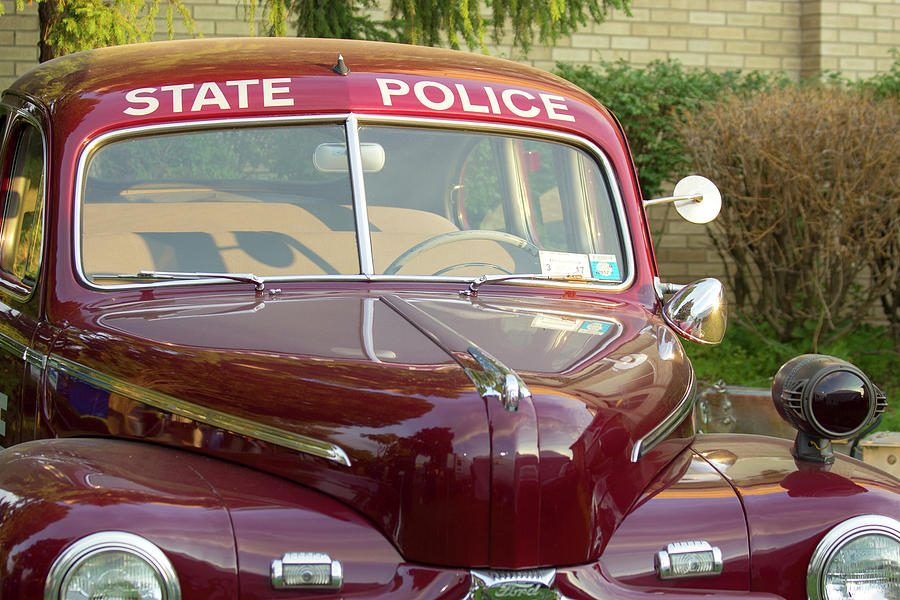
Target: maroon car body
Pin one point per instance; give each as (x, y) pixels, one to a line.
(233, 421)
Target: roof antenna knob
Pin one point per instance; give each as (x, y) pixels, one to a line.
(340, 68)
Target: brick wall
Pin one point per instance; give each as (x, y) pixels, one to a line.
(18, 41)
(800, 37)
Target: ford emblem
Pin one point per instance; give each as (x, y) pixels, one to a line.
(532, 584)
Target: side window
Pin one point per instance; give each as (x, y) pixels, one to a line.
(22, 193)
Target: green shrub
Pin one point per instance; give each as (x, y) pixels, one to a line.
(650, 101)
(749, 357)
(884, 85)
(810, 221)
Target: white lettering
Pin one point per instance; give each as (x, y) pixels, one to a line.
(242, 85)
(269, 91)
(176, 90)
(419, 90)
(526, 113)
(209, 94)
(135, 97)
(492, 99)
(400, 89)
(466, 104)
(553, 104)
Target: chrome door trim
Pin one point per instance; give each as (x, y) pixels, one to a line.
(667, 426)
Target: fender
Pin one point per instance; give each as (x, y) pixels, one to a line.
(54, 492)
(791, 504)
(207, 515)
(688, 501)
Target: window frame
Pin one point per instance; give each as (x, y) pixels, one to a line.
(352, 123)
(21, 289)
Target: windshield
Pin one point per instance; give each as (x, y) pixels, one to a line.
(279, 202)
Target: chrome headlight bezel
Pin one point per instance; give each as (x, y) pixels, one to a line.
(837, 538)
(105, 541)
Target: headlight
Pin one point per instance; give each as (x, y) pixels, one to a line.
(859, 558)
(113, 565)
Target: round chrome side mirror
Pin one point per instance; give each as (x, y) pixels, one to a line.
(698, 312)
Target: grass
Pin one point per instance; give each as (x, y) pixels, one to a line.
(746, 358)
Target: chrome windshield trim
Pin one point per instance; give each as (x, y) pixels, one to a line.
(104, 138)
(667, 426)
(581, 142)
(360, 119)
(360, 206)
(201, 414)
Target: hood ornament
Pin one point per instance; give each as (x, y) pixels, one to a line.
(532, 584)
(491, 377)
(496, 380)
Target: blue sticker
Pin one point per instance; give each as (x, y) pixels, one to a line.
(605, 267)
(594, 327)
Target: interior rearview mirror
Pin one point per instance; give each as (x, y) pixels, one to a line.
(332, 157)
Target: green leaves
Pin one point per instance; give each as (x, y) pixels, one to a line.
(73, 25)
(651, 101)
(439, 22)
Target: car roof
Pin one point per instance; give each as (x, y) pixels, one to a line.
(94, 84)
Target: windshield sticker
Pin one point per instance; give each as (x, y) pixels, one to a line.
(569, 324)
(473, 98)
(595, 327)
(555, 323)
(565, 264)
(605, 267)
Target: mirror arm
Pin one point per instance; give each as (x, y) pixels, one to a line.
(668, 199)
(664, 287)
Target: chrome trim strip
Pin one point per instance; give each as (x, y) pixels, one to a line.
(33, 358)
(667, 426)
(202, 414)
(12, 346)
(585, 144)
(105, 541)
(360, 206)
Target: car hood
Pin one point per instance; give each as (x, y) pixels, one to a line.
(389, 386)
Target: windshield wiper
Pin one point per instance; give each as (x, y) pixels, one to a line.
(476, 283)
(258, 283)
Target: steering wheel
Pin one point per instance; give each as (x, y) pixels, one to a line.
(469, 234)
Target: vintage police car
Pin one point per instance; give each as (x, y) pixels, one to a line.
(330, 319)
